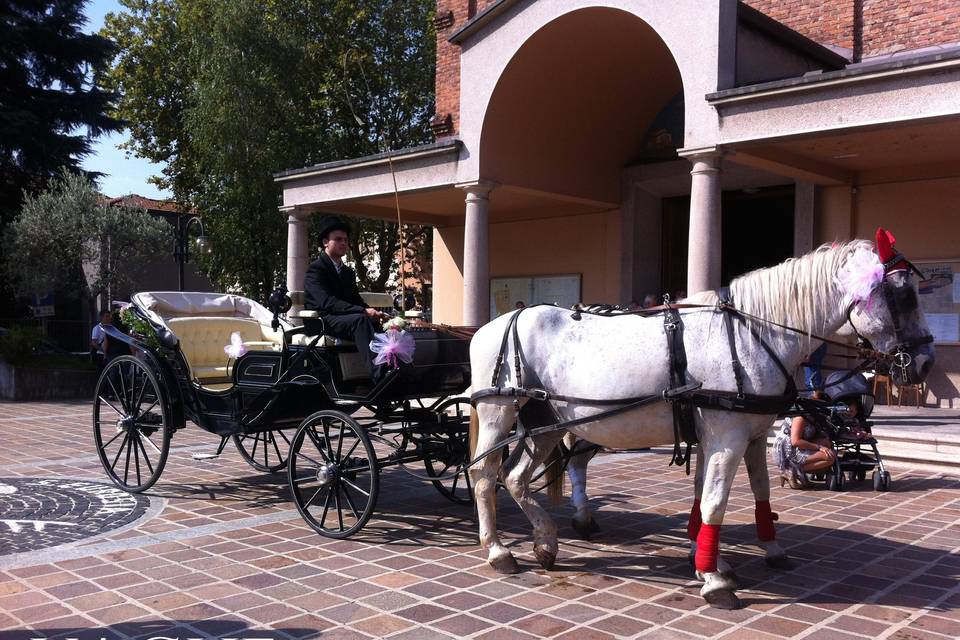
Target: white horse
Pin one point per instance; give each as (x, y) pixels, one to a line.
(627, 356)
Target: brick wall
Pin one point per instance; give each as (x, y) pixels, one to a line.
(826, 21)
(451, 15)
(894, 25)
(869, 27)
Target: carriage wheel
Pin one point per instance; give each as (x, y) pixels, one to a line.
(264, 451)
(448, 451)
(333, 474)
(131, 424)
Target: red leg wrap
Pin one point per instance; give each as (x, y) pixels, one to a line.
(693, 525)
(708, 545)
(765, 519)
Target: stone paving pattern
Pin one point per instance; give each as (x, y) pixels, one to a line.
(226, 555)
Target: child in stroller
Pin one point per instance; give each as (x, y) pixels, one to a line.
(850, 403)
(836, 415)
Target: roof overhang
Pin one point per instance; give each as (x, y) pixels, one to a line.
(408, 173)
(879, 121)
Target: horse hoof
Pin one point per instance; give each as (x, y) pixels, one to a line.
(585, 529)
(782, 563)
(723, 599)
(505, 564)
(545, 557)
(729, 576)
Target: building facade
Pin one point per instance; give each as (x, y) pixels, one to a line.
(614, 149)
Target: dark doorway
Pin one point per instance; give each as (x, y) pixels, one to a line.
(757, 232)
(673, 248)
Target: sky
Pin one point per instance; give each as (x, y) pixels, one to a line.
(125, 175)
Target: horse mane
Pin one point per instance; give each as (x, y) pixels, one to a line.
(794, 292)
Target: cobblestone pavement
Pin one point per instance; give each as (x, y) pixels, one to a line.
(220, 552)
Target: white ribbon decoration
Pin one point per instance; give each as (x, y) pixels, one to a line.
(859, 275)
(236, 348)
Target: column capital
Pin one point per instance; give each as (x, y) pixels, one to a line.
(295, 213)
(478, 188)
(702, 154)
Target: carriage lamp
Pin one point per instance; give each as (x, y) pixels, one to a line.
(204, 246)
(181, 248)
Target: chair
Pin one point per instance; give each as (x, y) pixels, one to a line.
(918, 389)
(882, 379)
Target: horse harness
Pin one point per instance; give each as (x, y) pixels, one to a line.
(681, 394)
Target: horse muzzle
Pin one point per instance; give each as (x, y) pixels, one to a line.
(912, 362)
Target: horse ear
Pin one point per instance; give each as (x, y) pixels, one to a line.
(885, 250)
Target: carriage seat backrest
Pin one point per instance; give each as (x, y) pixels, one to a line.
(202, 339)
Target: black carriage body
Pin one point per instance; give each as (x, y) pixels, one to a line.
(441, 367)
(277, 389)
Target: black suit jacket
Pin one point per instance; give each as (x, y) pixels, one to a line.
(331, 293)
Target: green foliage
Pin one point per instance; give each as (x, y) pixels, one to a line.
(228, 92)
(139, 328)
(50, 106)
(66, 238)
(18, 344)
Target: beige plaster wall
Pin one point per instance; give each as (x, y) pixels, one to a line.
(586, 244)
(922, 216)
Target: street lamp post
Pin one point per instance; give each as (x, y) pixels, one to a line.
(181, 245)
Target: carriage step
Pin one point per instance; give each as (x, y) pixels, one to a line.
(204, 456)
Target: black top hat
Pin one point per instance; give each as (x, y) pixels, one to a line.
(332, 223)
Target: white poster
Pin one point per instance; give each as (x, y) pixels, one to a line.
(945, 327)
(507, 294)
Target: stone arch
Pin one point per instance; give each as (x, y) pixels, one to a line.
(575, 102)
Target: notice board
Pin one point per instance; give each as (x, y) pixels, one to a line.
(940, 298)
(507, 294)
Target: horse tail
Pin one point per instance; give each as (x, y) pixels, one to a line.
(474, 431)
(553, 474)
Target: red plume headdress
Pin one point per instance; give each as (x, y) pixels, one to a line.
(892, 259)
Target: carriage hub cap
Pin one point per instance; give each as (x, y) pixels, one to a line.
(125, 424)
(326, 473)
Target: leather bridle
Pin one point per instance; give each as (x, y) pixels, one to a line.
(899, 355)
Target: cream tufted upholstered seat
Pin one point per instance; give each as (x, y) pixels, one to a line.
(203, 323)
(202, 340)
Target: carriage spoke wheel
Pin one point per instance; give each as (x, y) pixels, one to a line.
(447, 451)
(131, 424)
(264, 451)
(333, 474)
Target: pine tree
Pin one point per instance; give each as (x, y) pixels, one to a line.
(50, 106)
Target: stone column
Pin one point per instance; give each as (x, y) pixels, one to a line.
(804, 201)
(476, 254)
(703, 251)
(297, 254)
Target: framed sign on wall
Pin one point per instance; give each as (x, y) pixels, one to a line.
(507, 294)
(940, 298)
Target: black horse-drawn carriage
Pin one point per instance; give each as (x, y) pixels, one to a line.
(289, 400)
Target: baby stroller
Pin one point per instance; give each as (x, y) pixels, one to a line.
(850, 432)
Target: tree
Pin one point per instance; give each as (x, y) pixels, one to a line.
(50, 105)
(67, 238)
(227, 92)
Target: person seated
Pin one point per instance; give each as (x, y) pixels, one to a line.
(330, 288)
(801, 447)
